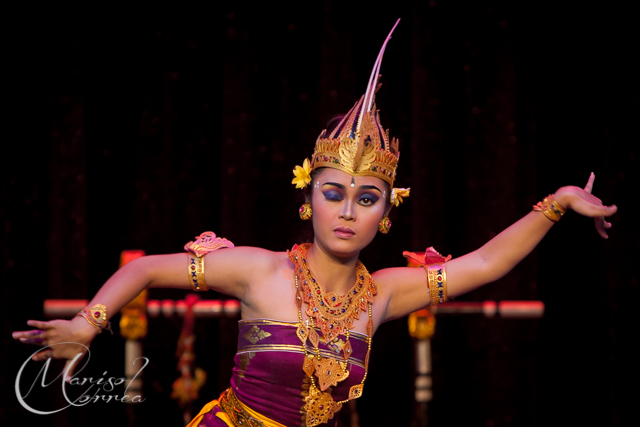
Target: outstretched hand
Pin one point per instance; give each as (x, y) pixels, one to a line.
(585, 203)
(60, 339)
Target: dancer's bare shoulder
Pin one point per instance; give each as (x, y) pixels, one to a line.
(270, 291)
(233, 270)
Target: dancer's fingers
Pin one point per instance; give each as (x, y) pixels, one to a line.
(35, 341)
(600, 227)
(68, 375)
(589, 185)
(43, 355)
(31, 334)
(39, 324)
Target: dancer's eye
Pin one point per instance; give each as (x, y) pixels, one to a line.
(367, 199)
(332, 195)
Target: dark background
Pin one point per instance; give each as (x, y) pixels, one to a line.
(139, 133)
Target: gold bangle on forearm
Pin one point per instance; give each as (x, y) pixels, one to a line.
(437, 280)
(550, 208)
(97, 317)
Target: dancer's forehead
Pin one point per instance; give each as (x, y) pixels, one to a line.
(344, 180)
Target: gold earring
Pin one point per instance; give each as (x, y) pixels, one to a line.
(384, 225)
(305, 211)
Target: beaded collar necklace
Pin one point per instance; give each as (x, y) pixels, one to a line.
(334, 315)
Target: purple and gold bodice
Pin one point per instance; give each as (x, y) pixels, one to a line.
(268, 375)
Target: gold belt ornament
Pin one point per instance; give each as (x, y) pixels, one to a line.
(242, 415)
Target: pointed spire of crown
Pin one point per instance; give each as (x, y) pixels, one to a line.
(359, 145)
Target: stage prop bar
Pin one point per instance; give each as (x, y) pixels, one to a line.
(60, 308)
(509, 309)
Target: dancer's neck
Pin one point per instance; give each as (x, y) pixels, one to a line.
(335, 274)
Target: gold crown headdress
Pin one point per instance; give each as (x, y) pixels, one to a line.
(358, 145)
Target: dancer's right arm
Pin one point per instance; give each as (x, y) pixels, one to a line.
(227, 270)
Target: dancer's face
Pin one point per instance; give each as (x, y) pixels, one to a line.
(345, 218)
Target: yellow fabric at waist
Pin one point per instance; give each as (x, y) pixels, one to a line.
(205, 409)
(235, 413)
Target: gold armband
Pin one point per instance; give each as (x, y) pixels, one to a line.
(205, 243)
(196, 273)
(97, 317)
(550, 208)
(437, 280)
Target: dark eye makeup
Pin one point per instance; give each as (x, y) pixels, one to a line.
(368, 199)
(332, 195)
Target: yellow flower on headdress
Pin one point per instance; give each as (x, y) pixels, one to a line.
(302, 175)
(397, 194)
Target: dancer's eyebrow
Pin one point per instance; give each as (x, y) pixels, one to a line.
(335, 184)
(370, 187)
(362, 187)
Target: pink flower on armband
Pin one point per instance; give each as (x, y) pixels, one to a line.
(431, 256)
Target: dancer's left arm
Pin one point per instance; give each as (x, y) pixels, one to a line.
(405, 289)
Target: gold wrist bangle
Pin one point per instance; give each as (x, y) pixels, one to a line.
(97, 317)
(437, 281)
(550, 208)
(196, 273)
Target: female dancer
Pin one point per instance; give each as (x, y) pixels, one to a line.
(309, 314)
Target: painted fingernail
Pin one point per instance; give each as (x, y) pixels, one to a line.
(14, 334)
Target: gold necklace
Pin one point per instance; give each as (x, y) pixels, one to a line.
(334, 315)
